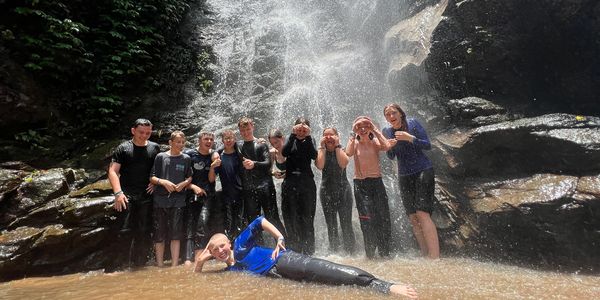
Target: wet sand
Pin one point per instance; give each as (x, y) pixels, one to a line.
(449, 278)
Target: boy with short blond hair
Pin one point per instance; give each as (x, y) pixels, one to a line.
(172, 173)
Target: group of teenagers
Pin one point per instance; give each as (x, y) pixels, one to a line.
(174, 190)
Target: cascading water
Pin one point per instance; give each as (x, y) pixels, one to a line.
(278, 60)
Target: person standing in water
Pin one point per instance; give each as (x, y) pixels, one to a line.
(228, 166)
(369, 192)
(335, 191)
(201, 196)
(416, 178)
(172, 173)
(244, 255)
(128, 174)
(258, 189)
(299, 192)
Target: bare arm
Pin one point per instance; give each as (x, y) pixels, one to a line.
(350, 147)
(271, 229)
(201, 258)
(113, 177)
(384, 145)
(216, 161)
(320, 161)
(342, 157)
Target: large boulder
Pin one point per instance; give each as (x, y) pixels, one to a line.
(536, 56)
(551, 220)
(550, 143)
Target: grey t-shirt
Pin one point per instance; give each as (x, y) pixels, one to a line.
(174, 169)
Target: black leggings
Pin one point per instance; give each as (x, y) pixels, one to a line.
(233, 212)
(302, 267)
(262, 197)
(337, 200)
(374, 215)
(196, 223)
(298, 205)
(135, 230)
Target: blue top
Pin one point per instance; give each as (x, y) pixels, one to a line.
(249, 256)
(229, 172)
(410, 156)
(201, 165)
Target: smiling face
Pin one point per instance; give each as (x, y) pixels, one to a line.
(276, 142)
(205, 143)
(228, 140)
(177, 144)
(330, 138)
(362, 127)
(141, 134)
(220, 248)
(393, 116)
(247, 132)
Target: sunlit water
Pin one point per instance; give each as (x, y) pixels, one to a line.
(449, 278)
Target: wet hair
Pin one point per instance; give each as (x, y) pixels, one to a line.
(332, 128)
(302, 120)
(227, 132)
(175, 134)
(403, 122)
(205, 133)
(141, 122)
(245, 121)
(275, 133)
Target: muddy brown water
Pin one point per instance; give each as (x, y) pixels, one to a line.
(448, 278)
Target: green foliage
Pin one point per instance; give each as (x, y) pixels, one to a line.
(90, 52)
(206, 84)
(33, 138)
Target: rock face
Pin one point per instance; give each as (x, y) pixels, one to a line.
(51, 224)
(508, 92)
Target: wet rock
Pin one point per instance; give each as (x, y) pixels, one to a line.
(475, 111)
(538, 219)
(42, 186)
(16, 165)
(534, 54)
(97, 188)
(550, 143)
(9, 182)
(93, 212)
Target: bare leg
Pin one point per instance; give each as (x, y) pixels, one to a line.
(174, 252)
(404, 290)
(417, 230)
(160, 252)
(429, 234)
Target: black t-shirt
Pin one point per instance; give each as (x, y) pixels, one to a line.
(201, 166)
(136, 164)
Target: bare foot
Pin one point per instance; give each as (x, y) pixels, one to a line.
(404, 290)
(188, 263)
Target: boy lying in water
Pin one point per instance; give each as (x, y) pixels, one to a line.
(246, 255)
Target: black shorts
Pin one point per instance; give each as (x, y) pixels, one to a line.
(417, 191)
(168, 223)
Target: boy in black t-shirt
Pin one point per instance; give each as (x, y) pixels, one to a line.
(129, 174)
(172, 173)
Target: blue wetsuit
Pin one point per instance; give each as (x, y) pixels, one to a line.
(289, 264)
(416, 177)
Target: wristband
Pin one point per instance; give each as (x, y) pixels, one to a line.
(118, 193)
(158, 181)
(338, 146)
(280, 239)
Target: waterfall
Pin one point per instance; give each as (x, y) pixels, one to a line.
(278, 60)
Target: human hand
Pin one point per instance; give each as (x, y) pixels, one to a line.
(216, 163)
(322, 143)
(169, 186)
(403, 136)
(248, 164)
(261, 141)
(180, 186)
(121, 202)
(198, 190)
(279, 174)
(392, 142)
(280, 246)
(150, 188)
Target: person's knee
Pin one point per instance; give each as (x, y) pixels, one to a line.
(423, 216)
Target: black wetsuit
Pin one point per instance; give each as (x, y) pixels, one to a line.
(135, 221)
(198, 207)
(289, 264)
(258, 189)
(299, 194)
(336, 199)
(374, 215)
(231, 184)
